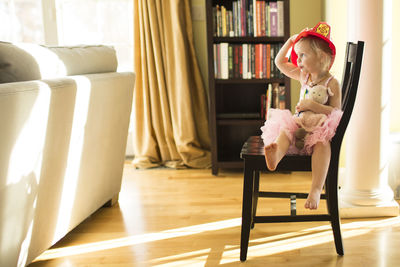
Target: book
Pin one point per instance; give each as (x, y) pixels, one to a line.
(235, 61)
(240, 61)
(262, 18)
(215, 60)
(253, 61)
(218, 63)
(223, 17)
(273, 15)
(264, 61)
(267, 20)
(281, 20)
(273, 66)
(245, 61)
(230, 61)
(255, 18)
(224, 61)
(217, 20)
(258, 61)
(268, 61)
(243, 17)
(250, 18)
(258, 22)
(230, 27)
(249, 60)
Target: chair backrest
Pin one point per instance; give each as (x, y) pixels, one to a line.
(351, 76)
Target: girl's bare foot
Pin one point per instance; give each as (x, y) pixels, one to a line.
(270, 152)
(312, 201)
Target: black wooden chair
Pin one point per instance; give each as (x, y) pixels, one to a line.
(254, 162)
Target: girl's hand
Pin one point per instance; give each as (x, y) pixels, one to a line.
(293, 37)
(304, 105)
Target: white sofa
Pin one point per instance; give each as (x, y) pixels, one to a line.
(64, 117)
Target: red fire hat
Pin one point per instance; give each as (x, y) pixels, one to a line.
(323, 31)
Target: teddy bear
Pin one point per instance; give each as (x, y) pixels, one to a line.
(309, 120)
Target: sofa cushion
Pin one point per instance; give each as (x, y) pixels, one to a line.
(86, 59)
(24, 62)
(16, 64)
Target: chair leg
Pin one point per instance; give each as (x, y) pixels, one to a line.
(248, 184)
(333, 208)
(255, 196)
(337, 236)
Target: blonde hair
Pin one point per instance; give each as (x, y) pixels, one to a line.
(321, 48)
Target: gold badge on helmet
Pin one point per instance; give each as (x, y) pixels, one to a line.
(323, 29)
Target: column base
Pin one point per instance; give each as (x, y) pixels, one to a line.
(389, 209)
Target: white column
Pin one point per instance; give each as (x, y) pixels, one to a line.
(365, 191)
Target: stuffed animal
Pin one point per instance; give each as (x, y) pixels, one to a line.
(308, 120)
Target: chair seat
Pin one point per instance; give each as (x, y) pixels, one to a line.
(253, 149)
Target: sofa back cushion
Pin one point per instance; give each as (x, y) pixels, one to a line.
(24, 62)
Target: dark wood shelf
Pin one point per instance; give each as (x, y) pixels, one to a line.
(240, 122)
(249, 39)
(251, 81)
(231, 164)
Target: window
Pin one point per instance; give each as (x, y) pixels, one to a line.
(71, 22)
(21, 21)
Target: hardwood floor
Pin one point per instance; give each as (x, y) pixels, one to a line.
(190, 218)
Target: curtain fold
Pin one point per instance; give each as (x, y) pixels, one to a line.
(170, 115)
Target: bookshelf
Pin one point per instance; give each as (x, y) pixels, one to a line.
(241, 51)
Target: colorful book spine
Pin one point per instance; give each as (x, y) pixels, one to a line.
(266, 19)
(223, 17)
(240, 61)
(268, 61)
(224, 61)
(264, 61)
(273, 15)
(230, 61)
(245, 61)
(243, 17)
(281, 19)
(254, 16)
(218, 61)
(253, 61)
(236, 61)
(215, 60)
(249, 60)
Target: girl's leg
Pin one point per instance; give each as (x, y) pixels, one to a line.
(274, 152)
(319, 163)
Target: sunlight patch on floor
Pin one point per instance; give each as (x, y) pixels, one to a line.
(138, 239)
(192, 258)
(257, 247)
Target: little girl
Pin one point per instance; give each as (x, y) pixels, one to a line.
(312, 56)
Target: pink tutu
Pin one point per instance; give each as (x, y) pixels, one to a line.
(282, 120)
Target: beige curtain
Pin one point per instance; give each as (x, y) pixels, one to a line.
(170, 114)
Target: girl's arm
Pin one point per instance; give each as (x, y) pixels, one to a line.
(282, 62)
(333, 101)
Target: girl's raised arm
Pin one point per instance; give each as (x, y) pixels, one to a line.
(282, 62)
